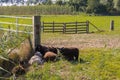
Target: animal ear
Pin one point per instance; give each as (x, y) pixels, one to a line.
(37, 47)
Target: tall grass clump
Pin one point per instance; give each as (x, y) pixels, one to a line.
(8, 42)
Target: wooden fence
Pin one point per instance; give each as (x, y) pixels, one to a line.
(68, 27)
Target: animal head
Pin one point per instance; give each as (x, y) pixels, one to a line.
(38, 48)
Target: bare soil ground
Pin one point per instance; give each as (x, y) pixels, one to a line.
(83, 41)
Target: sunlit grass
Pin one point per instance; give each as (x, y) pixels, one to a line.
(102, 22)
(15, 22)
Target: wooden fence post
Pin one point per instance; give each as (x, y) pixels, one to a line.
(53, 26)
(76, 27)
(112, 25)
(36, 31)
(64, 27)
(43, 26)
(87, 26)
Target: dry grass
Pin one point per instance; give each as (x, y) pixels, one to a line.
(25, 50)
(14, 55)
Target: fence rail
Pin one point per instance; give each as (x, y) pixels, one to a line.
(68, 27)
(16, 23)
(23, 17)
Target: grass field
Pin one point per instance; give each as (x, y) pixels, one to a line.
(99, 57)
(109, 39)
(102, 22)
(12, 22)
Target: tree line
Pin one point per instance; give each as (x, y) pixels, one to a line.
(104, 7)
(100, 7)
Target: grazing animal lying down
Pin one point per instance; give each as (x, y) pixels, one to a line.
(69, 53)
(44, 49)
(37, 58)
(50, 56)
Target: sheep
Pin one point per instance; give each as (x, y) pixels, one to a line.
(69, 53)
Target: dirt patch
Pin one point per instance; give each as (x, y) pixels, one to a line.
(83, 41)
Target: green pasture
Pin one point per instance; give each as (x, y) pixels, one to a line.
(95, 63)
(102, 22)
(15, 21)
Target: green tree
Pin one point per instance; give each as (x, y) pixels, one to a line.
(104, 2)
(78, 5)
(48, 2)
(60, 2)
(83, 5)
(100, 9)
(92, 5)
(110, 5)
(117, 5)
